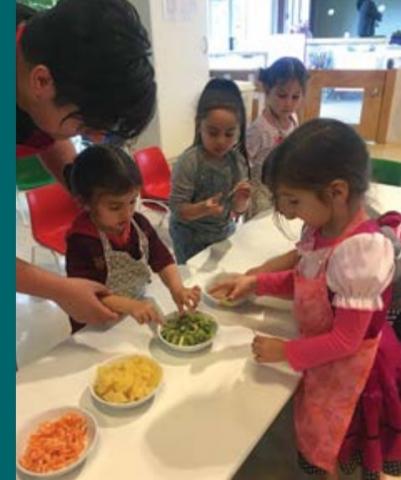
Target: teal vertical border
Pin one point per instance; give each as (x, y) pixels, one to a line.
(7, 238)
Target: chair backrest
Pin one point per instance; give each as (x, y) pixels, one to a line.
(155, 171)
(31, 174)
(52, 211)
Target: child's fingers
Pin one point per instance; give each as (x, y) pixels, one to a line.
(191, 299)
(236, 292)
(259, 359)
(153, 315)
(220, 288)
(157, 319)
(195, 297)
(214, 200)
(258, 341)
(217, 197)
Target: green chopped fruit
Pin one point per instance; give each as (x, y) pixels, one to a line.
(189, 329)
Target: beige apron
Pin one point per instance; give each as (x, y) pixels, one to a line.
(125, 275)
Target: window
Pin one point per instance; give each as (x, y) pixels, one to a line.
(239, 25)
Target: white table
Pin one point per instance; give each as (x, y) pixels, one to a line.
(211, 411)
(214, 405)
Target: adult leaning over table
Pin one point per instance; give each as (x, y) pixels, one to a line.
(83, 68)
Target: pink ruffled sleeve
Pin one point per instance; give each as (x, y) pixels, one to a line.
(275, 283)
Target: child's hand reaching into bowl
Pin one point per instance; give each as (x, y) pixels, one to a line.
(187, 298)
(235, 288)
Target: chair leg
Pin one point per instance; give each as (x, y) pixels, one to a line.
(57, 260)
(20, 209)
(33, 254)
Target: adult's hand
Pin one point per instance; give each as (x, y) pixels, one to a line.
(80, 299)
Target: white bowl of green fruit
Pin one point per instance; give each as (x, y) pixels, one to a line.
(189, 332)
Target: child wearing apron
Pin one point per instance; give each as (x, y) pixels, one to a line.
(348, 404)
(110, 243)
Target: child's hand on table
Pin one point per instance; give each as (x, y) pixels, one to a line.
(268, 349)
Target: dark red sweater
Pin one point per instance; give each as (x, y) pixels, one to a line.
(85, 256)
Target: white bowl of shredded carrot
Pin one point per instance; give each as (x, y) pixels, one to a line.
(55, 442)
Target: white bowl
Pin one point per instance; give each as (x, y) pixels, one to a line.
(126, 405)
(273, 302)
(50, 415)
(220, 277)
(187, 348)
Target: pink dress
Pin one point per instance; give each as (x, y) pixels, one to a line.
(348, 406)
(261, 137)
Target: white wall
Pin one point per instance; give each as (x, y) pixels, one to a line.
(151, 135)
(181, 65)
(181, 72)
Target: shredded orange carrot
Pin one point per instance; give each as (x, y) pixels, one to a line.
(56, 444)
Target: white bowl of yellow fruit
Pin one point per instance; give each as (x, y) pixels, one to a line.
(126, 381)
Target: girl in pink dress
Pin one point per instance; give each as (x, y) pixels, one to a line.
(348, 404)
(284, 85)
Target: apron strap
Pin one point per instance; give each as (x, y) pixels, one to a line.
(142, 241)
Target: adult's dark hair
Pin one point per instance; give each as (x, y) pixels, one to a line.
(222, 93)
(98, 54)
(102, 168)
(315, 154)
(282, 71)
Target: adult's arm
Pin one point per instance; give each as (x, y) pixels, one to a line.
(78, 297)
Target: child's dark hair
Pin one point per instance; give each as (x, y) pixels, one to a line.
(282, 71)
(315, 154)
(98, 54)
(222, 93)
(104, 168)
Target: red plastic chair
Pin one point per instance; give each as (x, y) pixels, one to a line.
(52, 210)
(156, 176)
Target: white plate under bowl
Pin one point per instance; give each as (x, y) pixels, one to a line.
(50, 415)
(187, 348)
(221, 277)
(126, 405)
